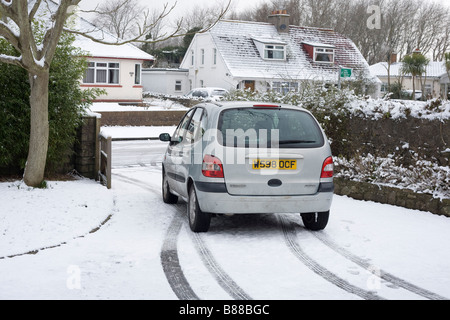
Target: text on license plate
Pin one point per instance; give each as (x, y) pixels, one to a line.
(285, 164)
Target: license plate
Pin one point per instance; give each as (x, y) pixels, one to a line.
(285, 164)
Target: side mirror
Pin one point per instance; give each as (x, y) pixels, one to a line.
(165, 137)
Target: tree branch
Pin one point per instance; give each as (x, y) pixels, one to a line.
(146, 28)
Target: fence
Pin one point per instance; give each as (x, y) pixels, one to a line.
(105, 159)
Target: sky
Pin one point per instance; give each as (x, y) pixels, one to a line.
(185, 5)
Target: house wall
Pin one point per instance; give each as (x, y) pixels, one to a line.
(408, 84)
(163, 81)
(126, 89)
(206, 74)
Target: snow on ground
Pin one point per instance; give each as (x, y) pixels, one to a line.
(121, 260)
(136, 132)
(152, 104)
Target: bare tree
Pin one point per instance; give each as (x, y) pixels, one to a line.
(119, 17)
(36, 52)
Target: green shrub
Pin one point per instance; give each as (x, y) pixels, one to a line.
(66, 106)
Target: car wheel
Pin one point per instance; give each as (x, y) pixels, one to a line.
(168, 197)
(315, 220)
(198, 221)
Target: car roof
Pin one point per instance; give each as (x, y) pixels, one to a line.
(247, 104)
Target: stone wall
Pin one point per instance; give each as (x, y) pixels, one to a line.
(390, 195)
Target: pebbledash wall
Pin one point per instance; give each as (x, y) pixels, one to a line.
(429, 138)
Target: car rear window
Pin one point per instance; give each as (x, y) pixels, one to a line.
(269, 127)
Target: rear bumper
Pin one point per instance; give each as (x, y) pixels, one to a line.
(214, 198)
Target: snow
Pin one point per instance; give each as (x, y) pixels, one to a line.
(78, 253)
(151, 104)
(136, 131)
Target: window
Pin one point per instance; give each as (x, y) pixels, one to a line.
(252, 127)
(203, 55)
(214, 56)
(284, 87)
(274, 52)
(192, 57)
(178, 85)
(137, 74)
(181, 129)
(102, 73)
(194, 132)
(202, 84)
(324, 55)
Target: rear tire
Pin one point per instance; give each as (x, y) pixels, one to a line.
(315, 220)
(199, 221)
(168, 197)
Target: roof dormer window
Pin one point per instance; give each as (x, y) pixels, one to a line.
(274, 52)
(324, 55)
(319, 52)
(270, 48)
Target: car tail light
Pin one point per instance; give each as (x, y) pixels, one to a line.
(212, 167)
(327, 168)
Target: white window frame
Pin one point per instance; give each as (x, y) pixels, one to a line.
(180, 84)
(138, 74)
(285, 86)
(97, 66)
(274, 48)
(322, 50)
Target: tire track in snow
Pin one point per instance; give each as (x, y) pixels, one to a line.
(291, 241)
(221, 277)
(383, 274)
(169, 252)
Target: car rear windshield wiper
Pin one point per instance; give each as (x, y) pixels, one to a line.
(297, 141)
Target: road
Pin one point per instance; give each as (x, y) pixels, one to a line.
(369, 251)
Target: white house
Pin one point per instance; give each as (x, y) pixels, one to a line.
(435, 78)
(275, 55)
(116, 69)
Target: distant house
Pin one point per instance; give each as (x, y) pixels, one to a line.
(166, 81)
(435, 78)
(116, 69)
(270, 56)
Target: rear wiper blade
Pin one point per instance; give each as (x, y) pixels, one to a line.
(296, 141)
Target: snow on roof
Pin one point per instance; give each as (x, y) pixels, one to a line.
(235, 41)
(435, 69)
(317, 44)
(125, 51)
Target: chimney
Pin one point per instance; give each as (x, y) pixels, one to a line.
(280, 19)
(392, 58)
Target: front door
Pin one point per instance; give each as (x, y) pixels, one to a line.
(249, 84)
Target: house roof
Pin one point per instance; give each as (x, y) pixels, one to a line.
(235, 42)
(435, 69)
(99, 50)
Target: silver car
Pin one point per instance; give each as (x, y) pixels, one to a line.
(247, 157)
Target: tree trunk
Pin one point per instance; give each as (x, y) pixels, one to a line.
(39, 129)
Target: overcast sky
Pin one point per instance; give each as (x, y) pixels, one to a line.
(183, 6)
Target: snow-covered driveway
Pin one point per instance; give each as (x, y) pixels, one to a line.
(125, 243)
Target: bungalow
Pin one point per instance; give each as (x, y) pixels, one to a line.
(271, 56)
(116, 69)
(435, 78)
